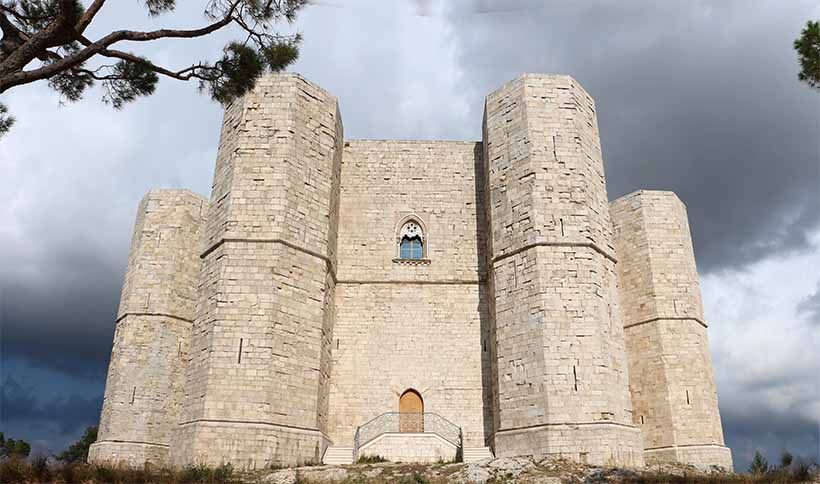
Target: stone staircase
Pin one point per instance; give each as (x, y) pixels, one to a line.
(336, 456)
(475, 454)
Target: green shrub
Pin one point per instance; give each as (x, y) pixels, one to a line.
(416, 479)
(204, 474)
(104, 474)
(370, 459)
(222, 473)
(759, 464)
(78, 451)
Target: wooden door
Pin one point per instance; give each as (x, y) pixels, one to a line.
(411, 412)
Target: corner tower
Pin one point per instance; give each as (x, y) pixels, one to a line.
(560, 372)
(670, 366)
(260, 354)
(146, 375)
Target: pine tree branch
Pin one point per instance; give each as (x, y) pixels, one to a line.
(11, 73)
(21, 17)
(52, 35)
(185, 74)
(88, 16)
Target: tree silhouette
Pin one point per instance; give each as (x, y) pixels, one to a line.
(47, 40)
(808, 53)
(759, 464)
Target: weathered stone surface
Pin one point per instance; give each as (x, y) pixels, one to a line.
(562, 384)
(473, 473)
(289, 316)
(284, 476)
(259, 367)
(401, 325)
(415, 447)
(146, 375)
(670, 367)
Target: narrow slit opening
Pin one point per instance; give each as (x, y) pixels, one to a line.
(575, 377)
(239, 356)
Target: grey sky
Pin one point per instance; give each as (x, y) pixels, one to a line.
(695, 96)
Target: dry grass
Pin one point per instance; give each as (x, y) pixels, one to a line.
(779, 477)
(38, 470)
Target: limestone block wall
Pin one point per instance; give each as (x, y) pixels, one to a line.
(671, 377)
(561, 372)
(145, 385)
(422, 324)
(421, 447)
(260, 357)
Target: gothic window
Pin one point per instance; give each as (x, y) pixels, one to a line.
(412, 241)
(411, 248)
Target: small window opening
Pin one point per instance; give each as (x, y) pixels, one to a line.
(239, 356)
(687, 397)
(412, 241)
(133, 395)
(411, 248)
(642, 420)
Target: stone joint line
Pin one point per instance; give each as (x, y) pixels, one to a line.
(132, 442)
(246, 422)
(589, 245)
(567, 424)
(164, 315)
(675, 318)
(685, 445)
(284, 242)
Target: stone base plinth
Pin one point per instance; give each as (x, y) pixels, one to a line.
(129, 454)
(410, 447)
(246, 445)
(604, 444)
(697, 455)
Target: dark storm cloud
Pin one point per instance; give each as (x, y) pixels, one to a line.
(62, 317)
(67, 329)
(697, 97)
(67, 415)
(771, 433)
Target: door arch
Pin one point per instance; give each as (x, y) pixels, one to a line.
(411, 412)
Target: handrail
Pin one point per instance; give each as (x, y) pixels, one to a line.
(413, 422)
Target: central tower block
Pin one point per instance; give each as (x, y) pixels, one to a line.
(561, 382)
(260, 345)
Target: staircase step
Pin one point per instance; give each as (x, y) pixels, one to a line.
(338, 456)
(474, 454)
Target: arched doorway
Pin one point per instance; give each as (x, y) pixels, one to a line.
(411, 412)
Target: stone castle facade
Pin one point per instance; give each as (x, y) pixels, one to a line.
(412, 299)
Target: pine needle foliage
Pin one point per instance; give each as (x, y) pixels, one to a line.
(808, 53)
(78, 451)
(47, 40)
(759, 464)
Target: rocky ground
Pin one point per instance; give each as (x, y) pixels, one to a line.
(505, 470)
(495, 471)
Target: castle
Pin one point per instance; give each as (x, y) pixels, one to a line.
(417, 300)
